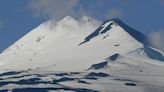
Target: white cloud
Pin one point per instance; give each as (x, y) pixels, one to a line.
(157, 39)
(56, 9)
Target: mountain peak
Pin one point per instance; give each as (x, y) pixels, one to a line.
(68, 20)
(57, 48)
(134, 33)
(107, 25)
(115, 20)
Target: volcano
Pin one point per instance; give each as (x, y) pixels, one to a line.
(85, 45)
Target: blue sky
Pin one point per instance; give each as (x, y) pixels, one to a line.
(18, 17)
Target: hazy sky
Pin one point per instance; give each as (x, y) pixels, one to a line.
(17, 17)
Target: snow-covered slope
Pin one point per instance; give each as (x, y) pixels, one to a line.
(72, 45)
(81, 56)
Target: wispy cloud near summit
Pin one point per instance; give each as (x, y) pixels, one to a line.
(56, 9)
(157, 39)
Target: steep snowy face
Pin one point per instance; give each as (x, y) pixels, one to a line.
(54, 31)
(116, 28)
(70, 45)
(135, 34)
(109, 24)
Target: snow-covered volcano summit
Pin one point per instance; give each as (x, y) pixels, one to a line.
(71, 45)
(82, 56)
